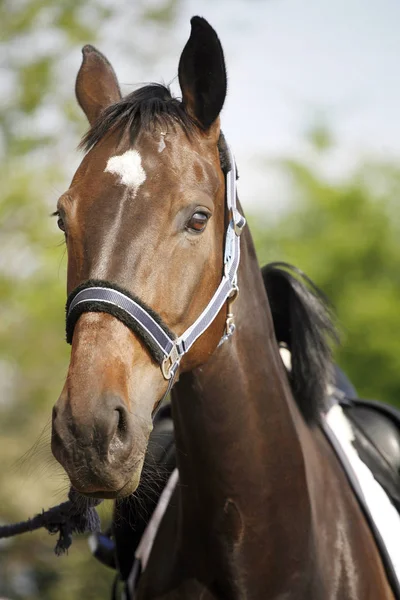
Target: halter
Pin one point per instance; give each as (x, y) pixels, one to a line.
(163, 345)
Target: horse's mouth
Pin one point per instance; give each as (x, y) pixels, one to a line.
(126, 490)
(108, 494)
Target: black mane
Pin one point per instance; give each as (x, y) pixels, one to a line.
(303, 321)
(143, 109)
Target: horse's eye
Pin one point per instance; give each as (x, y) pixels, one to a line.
(60, 224)
(197, 222)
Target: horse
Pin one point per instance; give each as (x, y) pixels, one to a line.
(157, 253)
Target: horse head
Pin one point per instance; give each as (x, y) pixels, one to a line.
(144, 216)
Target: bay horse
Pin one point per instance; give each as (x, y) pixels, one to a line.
(263, 509)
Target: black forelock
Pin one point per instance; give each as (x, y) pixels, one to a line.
(144, 109)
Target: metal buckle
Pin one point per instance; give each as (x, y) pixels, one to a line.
(230, 318)
(234, 293)
(169, 362)
(239, 221)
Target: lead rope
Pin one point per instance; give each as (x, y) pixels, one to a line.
(76, 515)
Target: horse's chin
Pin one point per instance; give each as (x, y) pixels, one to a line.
(128, 489)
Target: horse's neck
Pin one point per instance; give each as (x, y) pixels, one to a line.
(238, 448)
(253, 519)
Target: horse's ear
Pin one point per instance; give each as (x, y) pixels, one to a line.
(96, 84)
(202, 74)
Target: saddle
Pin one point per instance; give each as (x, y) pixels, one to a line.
(377, 440)
(376, 429)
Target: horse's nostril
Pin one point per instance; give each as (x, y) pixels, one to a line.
(122, 425)
(118, 446)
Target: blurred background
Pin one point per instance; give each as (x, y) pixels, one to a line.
(312, 116)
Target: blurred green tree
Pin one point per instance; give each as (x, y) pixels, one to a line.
(346, 236)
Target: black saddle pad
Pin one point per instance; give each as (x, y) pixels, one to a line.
(376, 428)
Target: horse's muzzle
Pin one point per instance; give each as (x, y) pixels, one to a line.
(101, 453)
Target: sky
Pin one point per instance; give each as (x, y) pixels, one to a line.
(289, 63)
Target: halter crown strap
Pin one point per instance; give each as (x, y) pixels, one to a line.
(166, 349)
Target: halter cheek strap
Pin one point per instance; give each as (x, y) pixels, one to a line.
(163, 345)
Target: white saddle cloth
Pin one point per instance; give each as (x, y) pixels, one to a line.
(384, 514)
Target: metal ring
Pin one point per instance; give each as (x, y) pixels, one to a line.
(169, 362)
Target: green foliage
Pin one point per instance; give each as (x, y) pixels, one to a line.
(345, 236)
(33, 79)
(163, 13)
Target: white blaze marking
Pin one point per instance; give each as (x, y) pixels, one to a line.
(128, 167)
